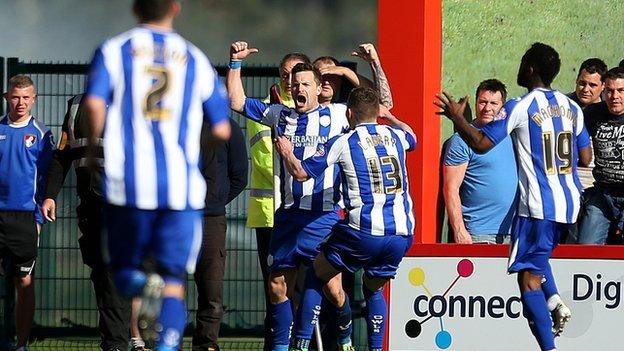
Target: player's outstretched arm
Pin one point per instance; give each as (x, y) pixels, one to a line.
(368, 53)
(455, 111)
(239, 51)
(284, 147)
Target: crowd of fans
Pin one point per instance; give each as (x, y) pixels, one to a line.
(480, 190)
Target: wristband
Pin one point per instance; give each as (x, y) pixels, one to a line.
(235, 64)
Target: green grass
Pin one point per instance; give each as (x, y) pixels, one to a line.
(486, 38)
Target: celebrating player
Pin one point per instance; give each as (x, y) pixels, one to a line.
(371, 159)
(158, 88)
(308, 209)
(549, 138)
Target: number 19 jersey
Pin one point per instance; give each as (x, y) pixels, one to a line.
(374, 177)
(547, 130)
(159, 89)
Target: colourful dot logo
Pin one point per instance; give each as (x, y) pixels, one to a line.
(417, 277)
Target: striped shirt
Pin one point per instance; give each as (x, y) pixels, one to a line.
(159, 88)
(548, 131)
(375, 187)
(307, 132)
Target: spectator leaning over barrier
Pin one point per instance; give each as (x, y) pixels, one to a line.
(261, 204)
(603, 212)
(470, 178)
(589, 85)
(26, 147)
(225, 172)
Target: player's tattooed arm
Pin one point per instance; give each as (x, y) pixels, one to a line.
(239, 51)
(354, 78)
(284, 147)
(369, 54)
(456, 111)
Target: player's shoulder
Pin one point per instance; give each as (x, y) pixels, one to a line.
(337, 107)
(40, 127)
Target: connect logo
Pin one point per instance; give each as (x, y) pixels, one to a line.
(437, 306)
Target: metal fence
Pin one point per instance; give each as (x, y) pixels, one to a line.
(65, 304)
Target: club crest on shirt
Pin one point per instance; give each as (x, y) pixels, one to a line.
(320, 151)
(30, 140)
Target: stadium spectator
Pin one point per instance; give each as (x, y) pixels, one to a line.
(262, 195)
(604, 209)
(549, 135)
(153, 186)
(361, 241)
(225, 172)
(589, 85)
(26, 147)
(470, 178)
(114, 310)
(308, 210)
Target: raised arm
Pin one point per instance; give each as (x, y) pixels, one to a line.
(238, 52)
(455, 111)
(368, 53)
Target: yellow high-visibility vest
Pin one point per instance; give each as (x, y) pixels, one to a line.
(261, 206)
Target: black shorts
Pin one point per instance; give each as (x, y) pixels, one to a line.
(18, 242)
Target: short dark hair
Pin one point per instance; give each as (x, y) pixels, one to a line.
(364, 103)
(307, 66)
(326, 59)
(293, 56)
(621, 63)
(544, 60)
(593, 65)
(151, 10)
(20, 81)
(613, 74)
(492, 85)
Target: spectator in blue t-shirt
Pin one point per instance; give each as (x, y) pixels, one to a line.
(480, 189)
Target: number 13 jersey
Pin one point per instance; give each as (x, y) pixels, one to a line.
(375, 187)
(159, 89)
(548, 131)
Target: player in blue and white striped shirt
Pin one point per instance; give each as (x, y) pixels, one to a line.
(159, 88)
(379, 225)
(550, 138)
(308, 209)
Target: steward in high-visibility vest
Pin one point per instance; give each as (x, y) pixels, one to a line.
(261, 193)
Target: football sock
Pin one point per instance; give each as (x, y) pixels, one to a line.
(281, 321)
(172, 319)
(345, 326)
(537, 312)
(309, 309)
(375, 317)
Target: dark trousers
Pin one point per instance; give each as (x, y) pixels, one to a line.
(209, 281)
(263, 239)
(114, 310)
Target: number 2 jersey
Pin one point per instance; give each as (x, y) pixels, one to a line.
(159, 89)
(308, 132)
(547, 130)
(373, 171)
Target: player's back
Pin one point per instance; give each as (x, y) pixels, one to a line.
(375, 183)
(159, 88)
(547, 130)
